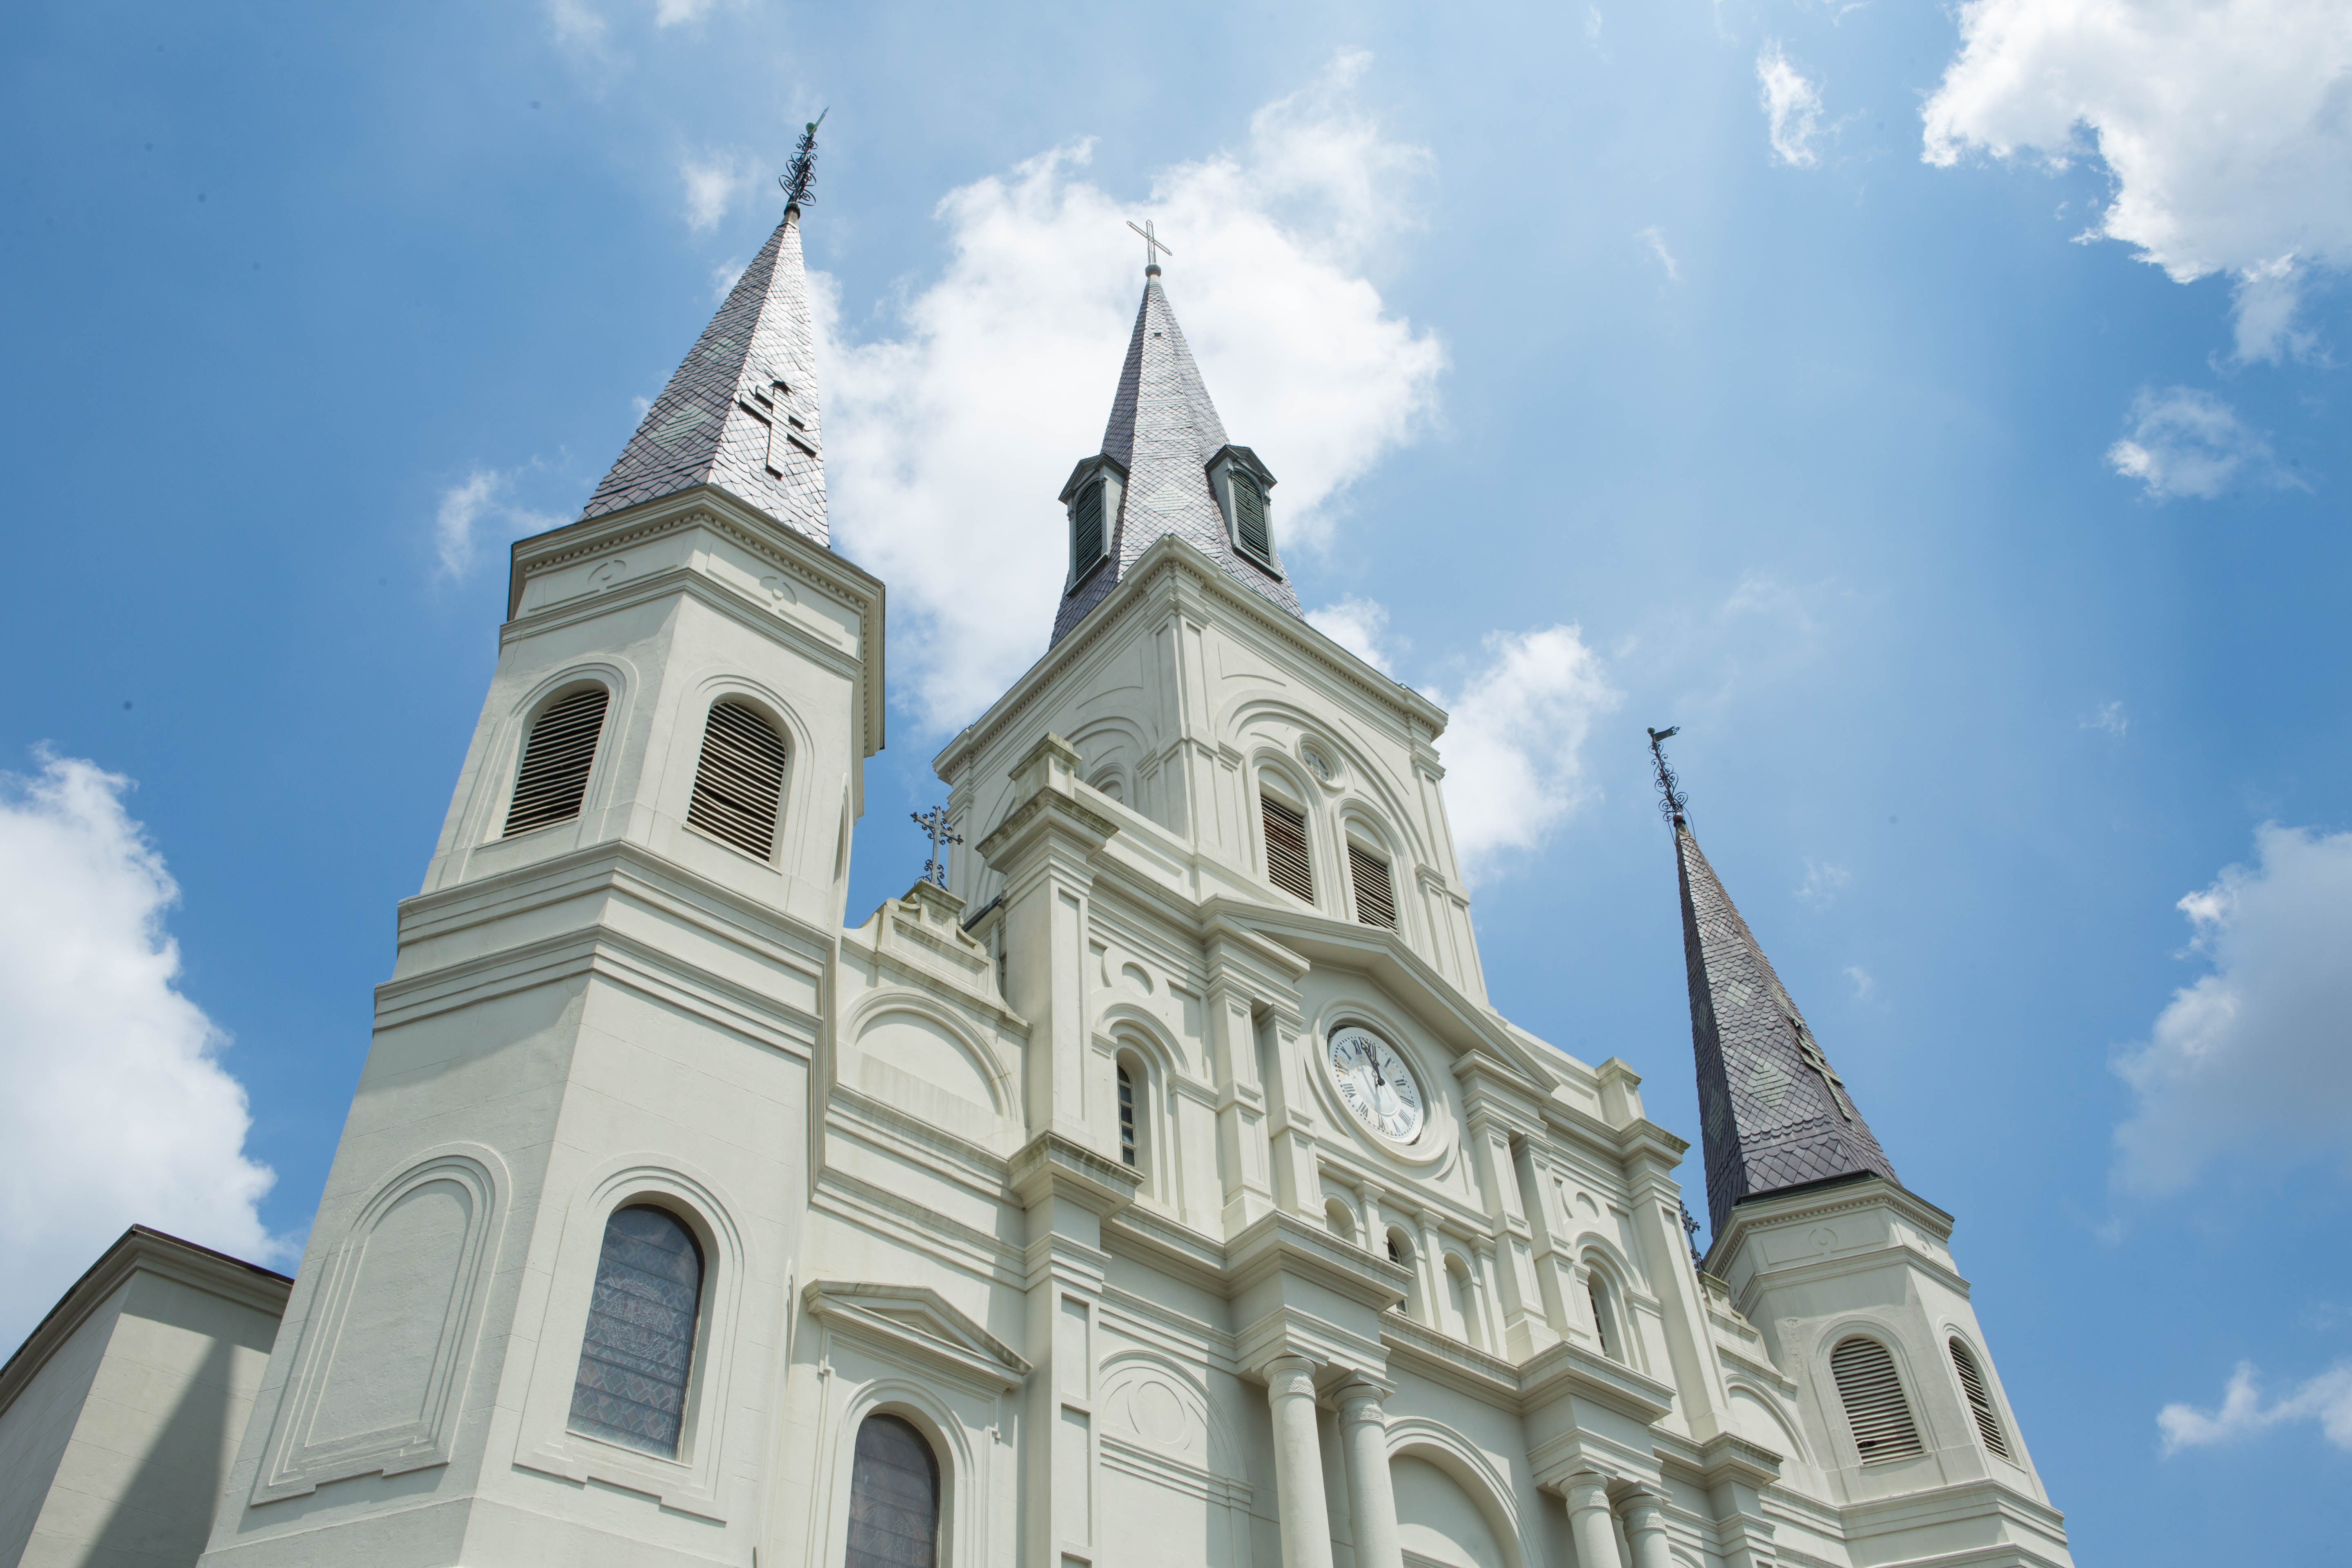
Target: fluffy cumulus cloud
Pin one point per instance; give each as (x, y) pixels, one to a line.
(1360, 625)
(2222, 124)
(1514, 749)
(2186, 442)
(114, 1106)
(2326, 1399)
(948, 438)
(713, 182)
(2258, 1054)
(1792, 107)
(482, 500)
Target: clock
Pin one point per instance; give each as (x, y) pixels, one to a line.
(1375, 1085)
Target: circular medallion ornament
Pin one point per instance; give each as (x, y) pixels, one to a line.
(1375, 1085)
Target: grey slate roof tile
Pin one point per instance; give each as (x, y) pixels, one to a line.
(723, 420)
(1772, 1111)
(1164, 430)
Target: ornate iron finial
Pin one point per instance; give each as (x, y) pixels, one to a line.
(935, 823)
(800, 175)
(1672, 802)
(1690, 1233)
(1152, 248)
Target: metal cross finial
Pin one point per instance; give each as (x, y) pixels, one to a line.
(935, 823)
(1152, 248)
(1672, 802)
(800, 175)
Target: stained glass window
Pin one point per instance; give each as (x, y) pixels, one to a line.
(639, 1348)
(893, 1497)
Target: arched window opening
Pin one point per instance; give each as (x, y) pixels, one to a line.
(1875, 1408)
(893, 1497)
(637, 1354)
(1287, 865)
(1125, 1116)
(1368, 870)
(553, 777)
(1462, 1291)
(1400, 1249)
(738, 783)
(1604, 1315)
(1339, 1220)
(1972, 1384)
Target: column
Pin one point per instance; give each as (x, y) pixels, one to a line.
(1588, 1520)
(1298, 1464)
(1363, 1432)
(1645, 1528)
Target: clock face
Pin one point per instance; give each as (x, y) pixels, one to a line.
(1375, 1084)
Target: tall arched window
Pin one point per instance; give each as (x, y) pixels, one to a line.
(1288, 863)
(1972, 1384)
(1875, 1408)
(740, 782)
(1368, 872)
(893, 1497)
(553, 777)
(1125, 1116)
(1604, 1315)
(638, 1352)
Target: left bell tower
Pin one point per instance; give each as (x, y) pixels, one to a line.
(542, 1314)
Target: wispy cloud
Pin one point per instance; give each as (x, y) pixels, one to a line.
(722, 279)
(481, 498)
(1792, 107)
(2187, 442)
(114, 1106)
(1359, 625)
(2326, 1399)
(1823, 882)
(2111, 719)
(2256, 1056)
(1862, 983)
(1657, 244)
(2221, 126)
(714, 181)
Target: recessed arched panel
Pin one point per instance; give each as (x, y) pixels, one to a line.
(381, 1368)
(1437, 1520)
(925, 1068)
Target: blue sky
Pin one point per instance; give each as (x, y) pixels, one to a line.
(1926, 407)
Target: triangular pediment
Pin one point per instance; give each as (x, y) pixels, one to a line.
(915, 1318)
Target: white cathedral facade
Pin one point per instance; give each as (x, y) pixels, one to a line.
(1164, 1192)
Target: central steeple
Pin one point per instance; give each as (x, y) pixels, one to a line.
(1773, 1114)
(1166, 468)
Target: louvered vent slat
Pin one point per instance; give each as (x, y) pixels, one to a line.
(1249, 516)
(1375, 895)
(1087, 518)
(553, 777)
(739, 780)
(1875, 1408)
(1287, 864)
(1972, 1384)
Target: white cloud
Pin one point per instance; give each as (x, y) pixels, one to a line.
(2326, 1399)
(670, 12)
(1513, 746)
(714, 182)
(1358, 626)
(114, 1107)
(2256, 1056)
(1793, 107)
(2110, 718)
(2221, 123)
(1862, 980)
(577, 23)
(2187, 442)
(939, 490)
(1657, 243)
(1823, 883)
(722, 283)
(478, 499)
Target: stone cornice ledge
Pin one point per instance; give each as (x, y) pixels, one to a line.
(1726, 1456)
(1288, 1243)
(1565, 1368)
(1053, 1166)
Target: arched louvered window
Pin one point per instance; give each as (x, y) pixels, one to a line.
(555, 762)
(1875, 1408)
(1972, 1384)
(639, 1349)
(1126, 1115)
(1375, 894)
(1085, 529)
(1287, 864)
(740, 782)
(894, 1496)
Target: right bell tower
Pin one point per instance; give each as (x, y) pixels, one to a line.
(1847, 1274)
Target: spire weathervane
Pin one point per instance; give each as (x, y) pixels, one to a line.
(800, 175)
(1152, 248)
(935, 823)
(1672, 802)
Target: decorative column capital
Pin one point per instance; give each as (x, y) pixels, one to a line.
(1645, 1510)
(1586, 1490)
(1360, 1401)
(1290, 1374)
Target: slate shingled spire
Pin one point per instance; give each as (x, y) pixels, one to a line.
(741, 412)
(1163, 433)
(1772, 1110)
